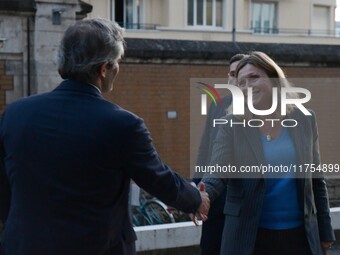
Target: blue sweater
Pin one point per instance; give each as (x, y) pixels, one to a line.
(280, 208)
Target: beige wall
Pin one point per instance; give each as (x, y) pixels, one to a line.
(299, 13)
(178, 13)
(244, 12)
(101, 8)
(227, 36)
(294, 14)
(171, 18)
(155, 12)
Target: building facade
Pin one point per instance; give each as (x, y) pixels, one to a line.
(30, 33)
(276, 21)
(169, 43)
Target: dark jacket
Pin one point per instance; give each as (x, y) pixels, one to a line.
(212, 228)
(241, 146)
(68, 156)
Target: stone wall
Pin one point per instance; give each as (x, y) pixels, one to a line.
(31, 44)
(47, 37)
(6, 82)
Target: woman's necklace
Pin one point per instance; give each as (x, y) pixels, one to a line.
(268, 134)
(269, 130)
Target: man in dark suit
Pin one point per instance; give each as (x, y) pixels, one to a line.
(213, 227)
(68, 156)
(1, 229)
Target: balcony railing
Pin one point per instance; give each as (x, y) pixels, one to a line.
(142, 26)
(264, 31)
(308, 32)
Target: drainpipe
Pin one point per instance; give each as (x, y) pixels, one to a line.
(28, 58)
(234, 21)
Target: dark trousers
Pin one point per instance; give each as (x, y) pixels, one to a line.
(282, 242)
(212, 229)
(212, 235)
(124, 248)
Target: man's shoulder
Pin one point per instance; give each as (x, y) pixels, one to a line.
(226, 100)
(118, 116)
(117, 110)
(126, 114)
(24, 101)
(220, 109)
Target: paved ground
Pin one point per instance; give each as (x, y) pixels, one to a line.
(195, 251)
(335, 250)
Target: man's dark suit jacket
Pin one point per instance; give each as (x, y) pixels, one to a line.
(68, 156)
(241, 146)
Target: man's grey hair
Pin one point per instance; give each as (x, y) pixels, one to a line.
(87, 45)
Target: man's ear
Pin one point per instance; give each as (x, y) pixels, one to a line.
(103, 70)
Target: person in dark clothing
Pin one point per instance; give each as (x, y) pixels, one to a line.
(212, 228)
(269, 212)
(68, 156)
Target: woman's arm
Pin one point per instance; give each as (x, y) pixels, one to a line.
(222, 155)
(320, 192)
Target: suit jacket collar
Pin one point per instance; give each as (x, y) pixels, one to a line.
(299, 139)
(298, 136)
(78, 86)
(253, 137)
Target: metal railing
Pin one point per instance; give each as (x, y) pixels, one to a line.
(142, 26)
(308, 32)
(264, 31)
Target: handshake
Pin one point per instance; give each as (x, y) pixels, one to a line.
(204, 207)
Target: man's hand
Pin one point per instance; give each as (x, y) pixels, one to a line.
(204, 207)
(326, 246)
(205, 204)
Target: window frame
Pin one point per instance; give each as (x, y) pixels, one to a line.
(204, 15)
(137, 16)
(271, 30)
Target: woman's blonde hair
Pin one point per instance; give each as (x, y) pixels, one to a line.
(278, 78)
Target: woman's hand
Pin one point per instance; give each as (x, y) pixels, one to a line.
(326, 245)
(203, 210)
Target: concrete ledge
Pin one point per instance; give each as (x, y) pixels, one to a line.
(146, 49)
(167, 236)
(184, 234)
(335, 216)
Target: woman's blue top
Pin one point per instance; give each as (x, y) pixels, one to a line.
(281, 209)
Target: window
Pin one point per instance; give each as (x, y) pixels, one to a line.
(128, 13)
(320, 19)
(205, 13)
(264, 17)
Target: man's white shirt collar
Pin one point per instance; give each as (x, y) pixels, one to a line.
(96, 87)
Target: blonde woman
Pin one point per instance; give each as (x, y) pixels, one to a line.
(282, 214)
